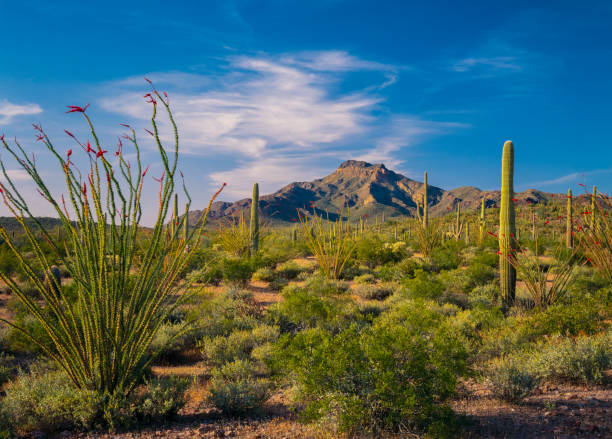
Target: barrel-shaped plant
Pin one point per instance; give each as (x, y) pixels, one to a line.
(125, 278)
(507, 272)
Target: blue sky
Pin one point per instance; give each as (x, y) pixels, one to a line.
(278, 91)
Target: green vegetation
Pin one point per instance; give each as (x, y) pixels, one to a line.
(361, 329)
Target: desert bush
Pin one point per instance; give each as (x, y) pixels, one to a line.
(367, 278)
(170, 339)
(161, 400)
(510, 378)
(394, 375)
(424, 285)
(6, 367)
(397, 272)
(237, 271)
(373, 292)
(290, 270)
(582, 360)
(209, 275)
(238, 345)
(265, 274)
(48, 402)
(221, 315)
(373, 251)
(235, 389)
(484, 295)
(448, 256)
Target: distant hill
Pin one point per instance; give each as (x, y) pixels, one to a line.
(367, 189)
(11, 224)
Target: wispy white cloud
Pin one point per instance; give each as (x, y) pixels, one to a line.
(402, 132)
(569, 178)
(8, 110)
(263, 103)
(277, 119)
(495, 63)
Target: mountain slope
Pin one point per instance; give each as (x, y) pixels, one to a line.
(365, 189)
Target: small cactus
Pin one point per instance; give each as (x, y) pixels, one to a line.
(592, 222)
(482, 224)
(569, 230)
(507, 231)
(255, 219)
(425, 212)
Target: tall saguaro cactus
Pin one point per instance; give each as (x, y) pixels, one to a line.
(507, 273)
(255, 219)
(482, 225)
(593, 196)
(569, 230)
(425, 212)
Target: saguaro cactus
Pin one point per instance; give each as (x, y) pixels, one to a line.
(255, 219)
(482, 225)
(425, 212)
(569, 230)
(592, 222)
(507, 273)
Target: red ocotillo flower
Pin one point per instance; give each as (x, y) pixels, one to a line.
(101, 153)
(84, 189)
(69, 133)
(69, 153)
(148, 80)
(40, 137)
(515, 199)
(546, 222)
(89, 148)
(145, 171)
(152, 135)
(492, 234)
(125, 125)
(2, 137)
(76, 109)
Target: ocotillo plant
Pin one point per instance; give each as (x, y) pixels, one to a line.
(255, 219)
(596, 241)
(425, 212)
(569, 229)
(331, 252)
(101, 331)
(507, 272)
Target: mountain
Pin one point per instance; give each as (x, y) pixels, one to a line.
(365, 189)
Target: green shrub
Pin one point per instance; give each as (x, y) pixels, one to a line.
(161, 400)
(582, 360)
(210, 275)
(484, 295)
(48, 402)
(396, 374)
(397, 272)
(265, 274)
(7, 367)
(372, 251)
(170, 339)
(479, 274)
(424, 285)
(226, 313)
(510, 378)
(237, 271)
(373, 292)
(367, 278)
(448, 256)
(234, 388)
(289, 270)
(238, 345)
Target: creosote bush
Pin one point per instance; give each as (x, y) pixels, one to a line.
(235, 389)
